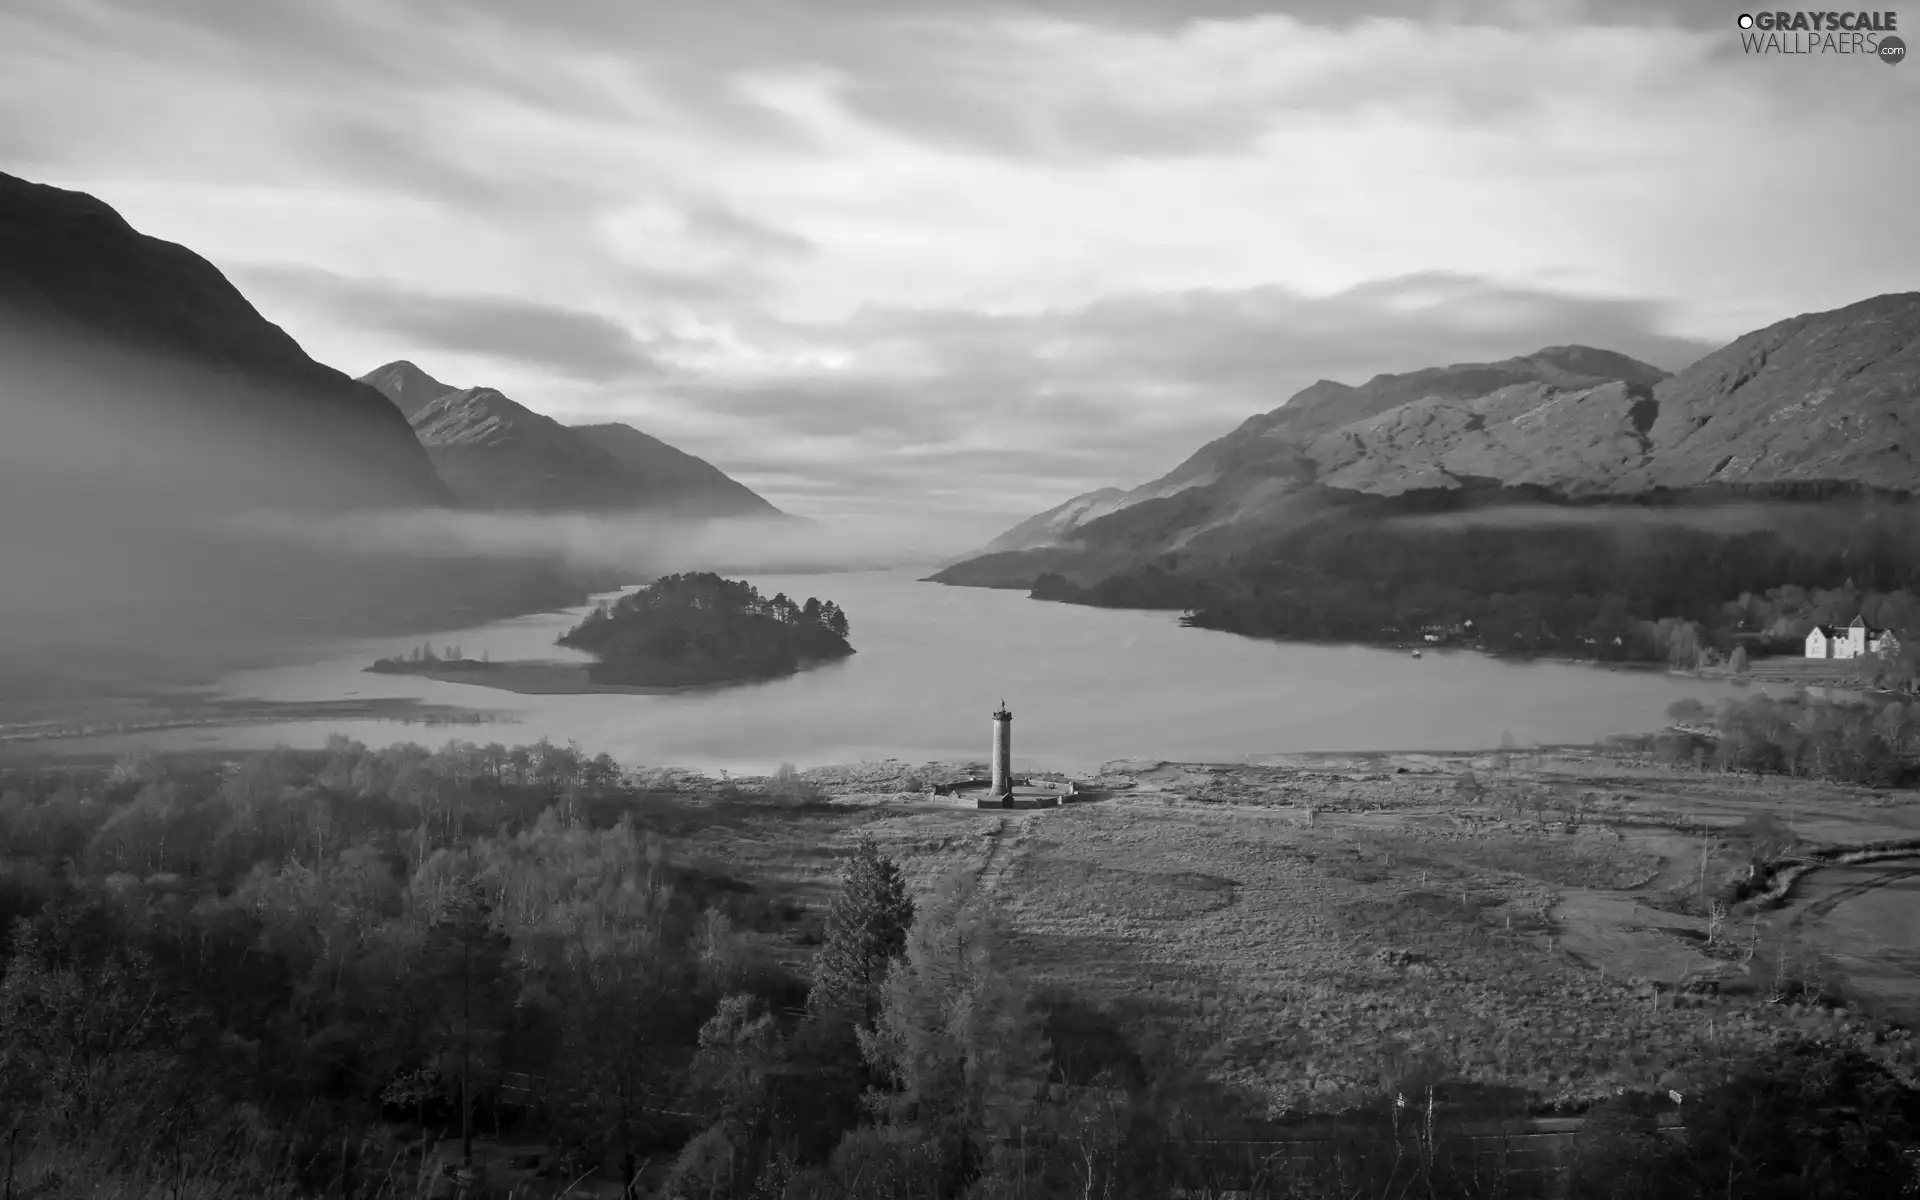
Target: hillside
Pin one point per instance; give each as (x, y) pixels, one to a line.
(498, 454)
(1238, 478)
(1271, 449)
(147, 404)
(670, 477)
(1820, 401)
(139, 352)
(1571, 473)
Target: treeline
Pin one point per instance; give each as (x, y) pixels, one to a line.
(701, 628)
(1875, 743)
(291, 976)
(1575, 587)
(425, 656)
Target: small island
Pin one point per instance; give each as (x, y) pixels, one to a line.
(425, 660)
(691, 629)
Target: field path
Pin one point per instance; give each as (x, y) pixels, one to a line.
(1007, 839)
(1824, 905)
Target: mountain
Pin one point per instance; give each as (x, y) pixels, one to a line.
(164, 362)
(1271, 455)
(497, 454)
(1551, 482)
(410, 388)
(675, 477)
(176, 473)
(1822, 398)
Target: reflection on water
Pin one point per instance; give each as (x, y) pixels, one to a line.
(1085, 685)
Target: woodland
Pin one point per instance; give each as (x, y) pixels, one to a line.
(294, 973)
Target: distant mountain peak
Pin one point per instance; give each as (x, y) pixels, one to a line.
(496, 453)
(406, 385)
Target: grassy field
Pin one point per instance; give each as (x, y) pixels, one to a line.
(1304, 926)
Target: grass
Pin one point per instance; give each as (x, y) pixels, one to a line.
(1302, 959)
(1299, 959)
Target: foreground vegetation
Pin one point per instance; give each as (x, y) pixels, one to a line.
(343, 972)
(691, 629)
(1871, 741)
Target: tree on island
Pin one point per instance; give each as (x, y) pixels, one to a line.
(700, 628)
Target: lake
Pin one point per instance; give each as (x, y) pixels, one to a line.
(1086, 686)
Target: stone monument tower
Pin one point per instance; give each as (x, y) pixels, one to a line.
(1002, 751)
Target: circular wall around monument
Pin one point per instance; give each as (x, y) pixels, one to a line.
(1027, 793)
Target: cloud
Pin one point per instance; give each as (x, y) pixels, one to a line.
(584, 345)
(890, 253)
(602, 542)
(1038, 406)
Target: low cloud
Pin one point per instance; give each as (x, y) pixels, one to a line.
(643, 545)
(1815, 525)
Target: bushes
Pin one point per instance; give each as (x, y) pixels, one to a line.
(1847, 742)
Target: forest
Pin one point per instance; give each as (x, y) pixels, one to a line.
(296, 973)
(700, 628)
(1567, 590)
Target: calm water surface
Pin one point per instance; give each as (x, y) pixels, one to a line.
(1086, 686)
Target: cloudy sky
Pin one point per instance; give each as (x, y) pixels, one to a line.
(884, 256)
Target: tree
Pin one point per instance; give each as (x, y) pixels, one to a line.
(956, 1040)
(1738, 663)
(468, 989)
(866, 929)
(1683, 645)
(833, 618)
(1803, 1120)
(1687, 710)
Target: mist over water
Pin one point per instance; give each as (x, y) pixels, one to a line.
(642, 543)
(1086, 686)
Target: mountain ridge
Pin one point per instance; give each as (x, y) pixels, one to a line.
(1819, 403)
(1271, 442)
(496, 453)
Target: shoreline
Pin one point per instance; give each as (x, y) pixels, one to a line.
(138, 717)
(539, 677)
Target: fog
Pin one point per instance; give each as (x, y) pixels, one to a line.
(639, 545)
(1789, 519)
(162, 520)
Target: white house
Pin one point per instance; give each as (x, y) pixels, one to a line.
(1855, 641)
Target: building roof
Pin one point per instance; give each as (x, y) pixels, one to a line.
(1823, 630)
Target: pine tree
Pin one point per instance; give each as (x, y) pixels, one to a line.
(833, 618)
(866, 930)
